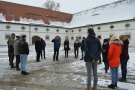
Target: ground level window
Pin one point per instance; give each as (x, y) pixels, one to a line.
(72, 38)
(47, 37)
(80, 37)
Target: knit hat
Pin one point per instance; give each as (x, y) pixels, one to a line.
(113, 38)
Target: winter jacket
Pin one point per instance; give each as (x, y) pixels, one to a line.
(114, 54)
(105, 48)
(23, 47)
(124, 53)
(57, 43)
(92, 48)
(77, 44)
(66, 45)
(16, 49)
(38, 46)
(43, 44)
(82, 45)
(10, 43)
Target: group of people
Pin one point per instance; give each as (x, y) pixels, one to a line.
(19, 48)
(114, 52)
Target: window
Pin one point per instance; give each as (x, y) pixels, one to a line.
(47, 37)
(72, 38)
(80, 37)
(98, 28)
(8, 27)
(127, 25)
(57, 30)
(66, 31)
(23, 28)
(47, 30)
(111, 26)
(72, 30)
(7, 36)
(99, 37)
(79, 30)
(36, 29)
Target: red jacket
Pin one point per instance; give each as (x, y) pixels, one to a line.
(114, 55)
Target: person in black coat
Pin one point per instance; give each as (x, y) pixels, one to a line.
(38, 48)
(124, 57)
(66, 47)
(43, 45)
(105, 48)
(76, 47)
(82, 48)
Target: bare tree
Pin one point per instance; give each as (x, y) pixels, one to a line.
(52, 5)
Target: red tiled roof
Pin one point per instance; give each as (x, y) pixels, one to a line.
(30, 12)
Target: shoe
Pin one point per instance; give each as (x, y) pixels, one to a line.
(18, 69)
(81, 59)
(116, 85)
(24, 73)
(87, 89)
(122, 80)
(94, 88)
(57, 60)
(111, 86)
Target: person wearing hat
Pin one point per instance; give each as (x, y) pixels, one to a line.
(114, 59)
(92, 47)
(23, 51)
(16, 52)
(10, 43)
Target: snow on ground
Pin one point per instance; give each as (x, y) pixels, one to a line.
(67, 74)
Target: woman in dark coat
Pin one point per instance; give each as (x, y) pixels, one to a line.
(105, 48)
(124, 57)
(66, 47)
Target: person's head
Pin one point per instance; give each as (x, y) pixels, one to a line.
(106, 40)
(91, 31)
(77, 38)
(13, 35)
(17, 37)
(23, 37)
(57, 37)
(123, 37)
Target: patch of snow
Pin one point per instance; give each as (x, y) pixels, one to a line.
(2, 17)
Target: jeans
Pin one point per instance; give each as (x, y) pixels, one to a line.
(114, 75)
(82, 54)
(43, 53)
(124, 68)
(23, 61)
(76, 51)
(17, 61)
(56, 53)
(91, 66)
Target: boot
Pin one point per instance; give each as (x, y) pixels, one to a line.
(24, 73)
(94, 88)
(116, 85)
(87, 89)
(122, 80)
(111, 86)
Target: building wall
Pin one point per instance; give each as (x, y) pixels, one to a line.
(45, 31)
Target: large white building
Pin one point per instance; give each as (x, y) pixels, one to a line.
(115, 18)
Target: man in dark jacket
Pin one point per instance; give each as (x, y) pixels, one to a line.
(66, 47)
(82, 48)
(93, 50)
(38, 48)
(77, 44)
(124, 57)
(10, 43)
(43, 45)
(23, 51)
(57, 44)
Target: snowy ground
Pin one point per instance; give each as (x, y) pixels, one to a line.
(67, 74)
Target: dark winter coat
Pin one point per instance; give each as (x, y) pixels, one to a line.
(105, 48)
(77, 45)
(93, 48)
(38, 46)
(23, 47)
(57, 43)
(66, 45)
(43, 44)
(124, 53)
(82, 45)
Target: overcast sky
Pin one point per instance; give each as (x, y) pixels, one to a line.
(70, 6)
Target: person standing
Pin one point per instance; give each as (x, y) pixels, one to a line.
(66, 47)
(24, 51)
(38, 48)
(76, 47)
(114, 60)
(43, 44)
(57, 44)
(82, 48)
(124, 57)
(105, 48)
(10, 43)
(93, 50)
(16, 52)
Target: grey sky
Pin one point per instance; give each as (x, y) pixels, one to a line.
(69, 6)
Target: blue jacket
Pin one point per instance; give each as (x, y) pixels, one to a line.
(92, 48)
(57, 43)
